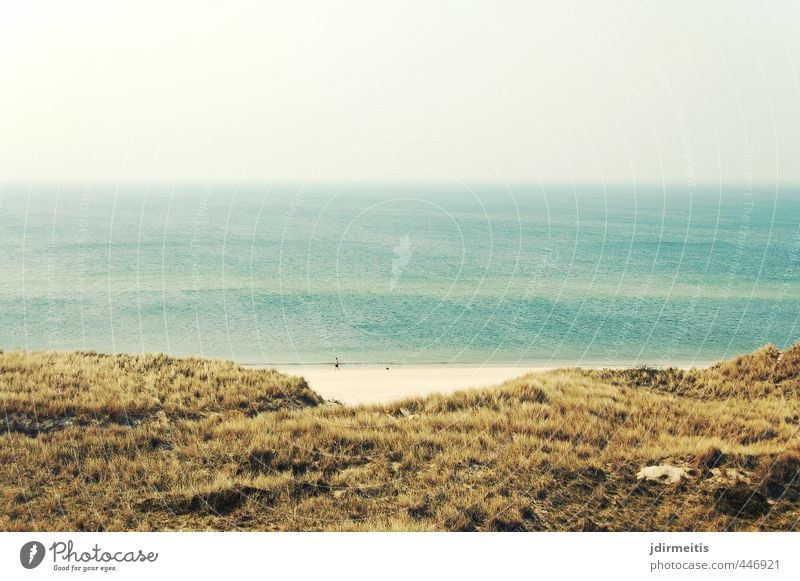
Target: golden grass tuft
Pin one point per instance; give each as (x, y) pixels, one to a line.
(765, 372)
(41, 391)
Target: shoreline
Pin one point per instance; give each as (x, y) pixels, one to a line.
(376, 384)
(534, 363)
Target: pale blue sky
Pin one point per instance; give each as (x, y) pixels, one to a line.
(584, 91)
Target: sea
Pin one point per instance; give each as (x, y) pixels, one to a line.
(401, 273)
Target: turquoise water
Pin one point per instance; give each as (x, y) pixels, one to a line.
(405, 273)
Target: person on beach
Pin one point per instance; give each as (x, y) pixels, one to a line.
(337, 364)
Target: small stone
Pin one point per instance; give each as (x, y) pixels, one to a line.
(664, 474)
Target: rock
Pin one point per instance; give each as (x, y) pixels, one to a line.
(664, 474)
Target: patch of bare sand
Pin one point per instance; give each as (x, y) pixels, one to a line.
(368, 385)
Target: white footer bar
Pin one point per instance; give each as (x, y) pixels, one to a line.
(406, 556)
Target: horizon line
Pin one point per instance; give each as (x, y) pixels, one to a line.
(403, 181)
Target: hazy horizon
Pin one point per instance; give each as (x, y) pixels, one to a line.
(690, 93)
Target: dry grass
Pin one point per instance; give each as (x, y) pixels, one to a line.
(767, 372)
(217, 447)
(46, 391)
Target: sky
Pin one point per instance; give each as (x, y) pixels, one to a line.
(459, 91)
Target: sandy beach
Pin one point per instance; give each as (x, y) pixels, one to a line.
(368, 385)
(355, 385)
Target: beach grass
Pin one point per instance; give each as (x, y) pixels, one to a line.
(101, 442)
